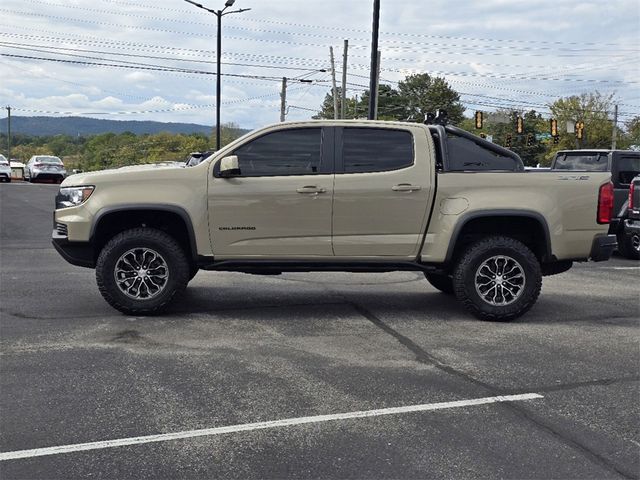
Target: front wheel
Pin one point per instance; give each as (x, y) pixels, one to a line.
(497, 278)
(139, 271)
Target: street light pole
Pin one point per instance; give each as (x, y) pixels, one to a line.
(219, 14)
(218, 82)
(373, 74)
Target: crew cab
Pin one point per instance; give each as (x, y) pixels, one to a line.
(355, 196)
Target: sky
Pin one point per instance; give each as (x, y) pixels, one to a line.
(117, 59)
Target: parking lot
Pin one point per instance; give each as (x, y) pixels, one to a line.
(88, 392)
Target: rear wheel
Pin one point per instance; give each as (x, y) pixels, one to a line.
(629, 246)
(140, 271)
(497, 278)
(444, 283)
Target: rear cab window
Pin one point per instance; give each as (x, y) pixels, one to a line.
(584, 162)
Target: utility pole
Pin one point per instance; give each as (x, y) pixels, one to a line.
(343, 110)
(375, 109)
(333, 82)
(8, 133)
(614, 134)
(373, 85)
(283, 98)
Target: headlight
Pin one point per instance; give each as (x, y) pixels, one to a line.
(73, 196)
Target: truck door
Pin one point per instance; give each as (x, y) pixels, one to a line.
(279, 205)
(382, 191)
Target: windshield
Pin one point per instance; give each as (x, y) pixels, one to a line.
(588, 162)
(3, 160)
(48, 159)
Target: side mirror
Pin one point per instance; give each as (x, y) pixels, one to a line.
(229, 167)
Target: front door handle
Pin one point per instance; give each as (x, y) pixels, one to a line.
(311, 189)
(405, 187)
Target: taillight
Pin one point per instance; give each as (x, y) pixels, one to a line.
(631, 189)
(38, 165)
(605, 203)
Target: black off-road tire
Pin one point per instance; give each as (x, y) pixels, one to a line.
(464, 278)
(193, 270)
(444, 283)
(162, 243)
(628, 246)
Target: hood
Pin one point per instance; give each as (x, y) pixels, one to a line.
(132, 173)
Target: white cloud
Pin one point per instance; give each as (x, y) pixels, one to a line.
(140, 77)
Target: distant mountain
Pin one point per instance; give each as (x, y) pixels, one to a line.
(45, 126)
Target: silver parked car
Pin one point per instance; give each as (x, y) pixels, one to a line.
(5, 169)
(44, 167)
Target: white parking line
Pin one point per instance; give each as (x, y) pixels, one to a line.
(287, 422)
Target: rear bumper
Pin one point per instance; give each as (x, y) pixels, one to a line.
(80, 254)
(602, 247)
(47, 176)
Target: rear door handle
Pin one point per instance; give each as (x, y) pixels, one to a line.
(405, 187)
(311, 189)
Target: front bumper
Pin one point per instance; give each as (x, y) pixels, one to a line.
(602, 247)
(80, 254)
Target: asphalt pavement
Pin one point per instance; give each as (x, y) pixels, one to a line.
(328, 355)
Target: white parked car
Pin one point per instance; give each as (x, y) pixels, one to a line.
(5, 169)
(45, 167)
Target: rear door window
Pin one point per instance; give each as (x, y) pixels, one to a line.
(585, 162)
(376, 149)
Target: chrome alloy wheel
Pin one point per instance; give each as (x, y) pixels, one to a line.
(141, 273)
(635, 242)
(500, 280)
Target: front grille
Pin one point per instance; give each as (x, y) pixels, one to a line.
(62, 229)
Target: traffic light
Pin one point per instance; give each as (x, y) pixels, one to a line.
(529, 140)
(483, 135)
(579, 130)
(553, 127)
(556, 139)
(519, 124)
(478, 120)
(507, 143)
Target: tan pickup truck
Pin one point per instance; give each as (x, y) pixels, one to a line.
(354, 196)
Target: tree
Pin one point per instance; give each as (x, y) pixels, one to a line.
(421, 94)
(632, 134)
(590, 108)
(415, 96)
(326, 109)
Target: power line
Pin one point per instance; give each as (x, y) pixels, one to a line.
(192, 33)
(55, 50)
(307, 34)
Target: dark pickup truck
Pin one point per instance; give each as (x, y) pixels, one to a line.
(624, 165)
(629, 246)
